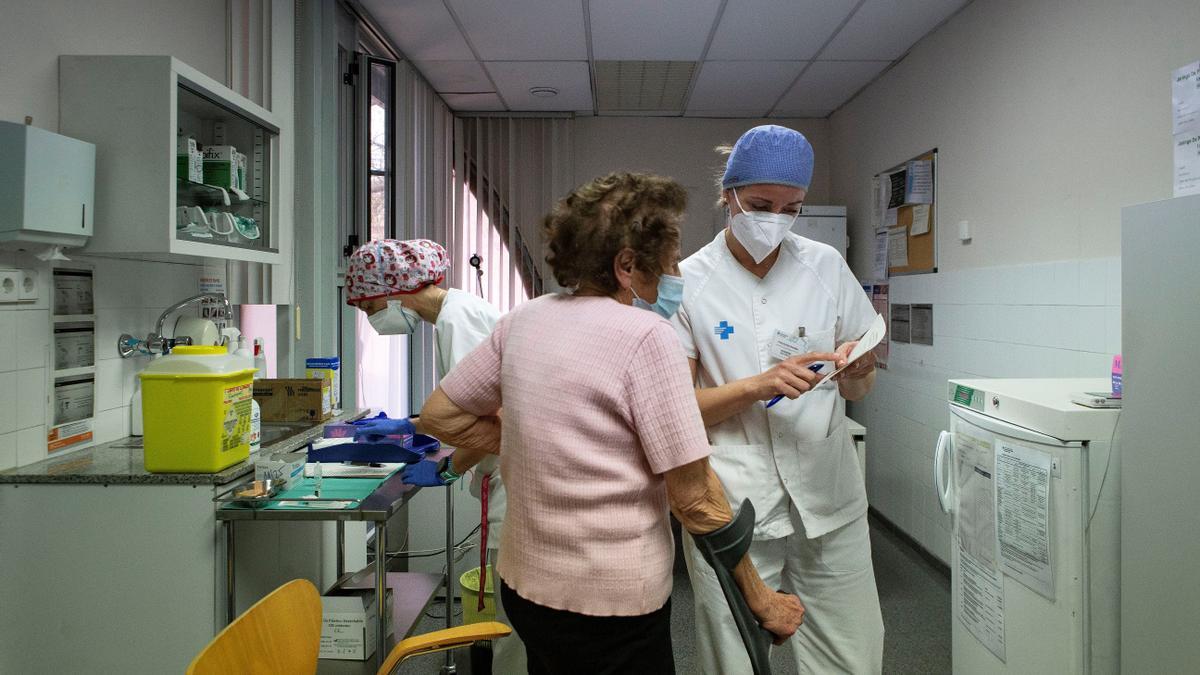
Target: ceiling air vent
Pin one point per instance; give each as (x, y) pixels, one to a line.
(641, 86)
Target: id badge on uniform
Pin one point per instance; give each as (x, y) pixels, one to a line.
(784, 346)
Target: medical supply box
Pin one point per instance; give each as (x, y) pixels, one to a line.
(189, 160)
(47, 186)
(330, 368)
(221, 167)
(282, 467)
(294, 400)
(349, 621)
(196, 410)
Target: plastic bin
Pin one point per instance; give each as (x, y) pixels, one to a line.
(469, 583)
(196, 409)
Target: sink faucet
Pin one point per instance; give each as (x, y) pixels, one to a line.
(155, 343)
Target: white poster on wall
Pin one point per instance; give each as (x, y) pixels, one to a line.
(1187, 164)
(1185, 99)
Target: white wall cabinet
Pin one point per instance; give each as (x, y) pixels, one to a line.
(134, 108)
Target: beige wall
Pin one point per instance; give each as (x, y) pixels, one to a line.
(34, 34)
(129, 294)
(1048, 116)
(682, 148)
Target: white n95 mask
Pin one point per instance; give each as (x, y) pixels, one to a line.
(760, 231)
(395, 319)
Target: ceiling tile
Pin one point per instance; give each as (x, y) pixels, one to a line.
(782, 30)
(530, 30)
(665, 30)
(422, 29)
(455, 76)
(751, 86)
(623, 86)
(886, 29)
(570, 78)
(488, 102)
(827, 85)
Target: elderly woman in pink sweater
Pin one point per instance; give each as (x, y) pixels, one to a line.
(601, 435)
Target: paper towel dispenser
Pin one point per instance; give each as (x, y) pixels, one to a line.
(47, 187)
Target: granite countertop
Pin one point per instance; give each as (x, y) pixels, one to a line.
(120, 462)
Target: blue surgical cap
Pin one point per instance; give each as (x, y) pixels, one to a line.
(770, 154)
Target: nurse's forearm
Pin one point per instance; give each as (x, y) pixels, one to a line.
(856, 389)
(718, 404)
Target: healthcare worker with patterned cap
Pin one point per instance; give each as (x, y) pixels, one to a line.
(395, 283)
(763, 307)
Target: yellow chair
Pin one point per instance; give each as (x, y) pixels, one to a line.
(282, 634)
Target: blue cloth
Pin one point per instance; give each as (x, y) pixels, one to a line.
(423, 474)
(770, 154)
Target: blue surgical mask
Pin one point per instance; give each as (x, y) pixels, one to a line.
(670, 294)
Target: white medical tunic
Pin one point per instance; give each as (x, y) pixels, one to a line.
(797, 452)
(465, 321)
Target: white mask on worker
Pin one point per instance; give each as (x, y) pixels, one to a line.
(395, 319)
(759, 231)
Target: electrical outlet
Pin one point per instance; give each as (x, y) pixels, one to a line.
(10, 285)
(28, 292)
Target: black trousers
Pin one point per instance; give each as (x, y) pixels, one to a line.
(558, 642)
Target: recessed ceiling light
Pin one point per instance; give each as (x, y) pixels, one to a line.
(543, 92)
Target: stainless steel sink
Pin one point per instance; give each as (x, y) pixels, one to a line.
(273, 432)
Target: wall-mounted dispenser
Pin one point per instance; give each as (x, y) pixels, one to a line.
(47, 187)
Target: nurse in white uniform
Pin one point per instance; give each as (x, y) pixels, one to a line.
(762, 305)
(395, 283)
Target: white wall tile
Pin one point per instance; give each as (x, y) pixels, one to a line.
(1093, 327)
(8, 402)
(8, 340)
(111, 425)
(33, 338)
(8, 451)
(31, 397)
(1064, 327)
(1095, 365)
(1066, 282)
(1093, 281)
(31, 445)
(1112, 330)
(110, 385)
(1112, 287)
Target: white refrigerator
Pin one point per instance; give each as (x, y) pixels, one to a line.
(826, 224)
(1030, 479)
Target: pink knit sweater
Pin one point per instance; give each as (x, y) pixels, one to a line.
(598, 403)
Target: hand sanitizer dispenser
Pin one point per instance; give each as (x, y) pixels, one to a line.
(47, 187)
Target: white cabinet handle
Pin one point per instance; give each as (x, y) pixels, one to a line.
(940, 456)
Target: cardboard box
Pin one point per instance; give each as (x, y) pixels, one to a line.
(220, 166)
(294, 400)
(285, 467)
(349, 624)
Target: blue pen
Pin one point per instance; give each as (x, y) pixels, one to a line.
(816, 368)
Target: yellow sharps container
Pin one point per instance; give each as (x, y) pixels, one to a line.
(196, 410)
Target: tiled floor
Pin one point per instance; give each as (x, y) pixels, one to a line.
(913, 593)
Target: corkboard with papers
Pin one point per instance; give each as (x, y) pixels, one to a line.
(905, 216)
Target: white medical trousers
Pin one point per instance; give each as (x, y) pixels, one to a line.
(508, 653)
(832, 574)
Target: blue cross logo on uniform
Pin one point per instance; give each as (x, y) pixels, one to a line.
(724, 330)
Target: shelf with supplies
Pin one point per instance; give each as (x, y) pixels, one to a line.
(203, 161)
